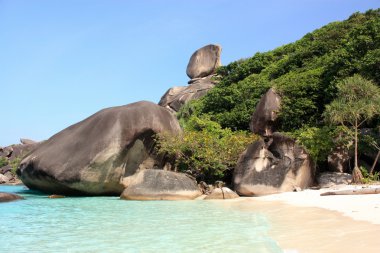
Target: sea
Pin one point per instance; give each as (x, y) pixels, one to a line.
(109, 224)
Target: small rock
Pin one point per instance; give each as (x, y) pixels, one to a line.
(5, 169)
(202, 197)
(222, 193)
(27, 141)
(55, 196)
(3, 179)
(6, 197)
(297, 189)
(9, 175)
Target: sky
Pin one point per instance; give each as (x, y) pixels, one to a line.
(63, 60)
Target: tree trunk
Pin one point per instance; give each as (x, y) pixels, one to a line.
(353, 192)
(357, 176)
(356, 144)
(374, 163)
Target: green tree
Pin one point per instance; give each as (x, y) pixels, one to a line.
(204, 150)
(358, 100)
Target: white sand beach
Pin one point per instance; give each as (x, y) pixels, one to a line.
(358, 207)
(308, 222)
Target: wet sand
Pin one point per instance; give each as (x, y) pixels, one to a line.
(299, 225)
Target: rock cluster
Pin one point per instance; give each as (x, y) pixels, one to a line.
(201, 68)
(10, 156)
(275, 163)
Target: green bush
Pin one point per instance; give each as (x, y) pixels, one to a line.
(3, 161)
(204, 150)
(15, 163)
(320, 141)
(367, 177)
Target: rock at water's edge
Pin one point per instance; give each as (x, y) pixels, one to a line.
(222, 193)
(159, 185)
(6, 197)
(91, 157)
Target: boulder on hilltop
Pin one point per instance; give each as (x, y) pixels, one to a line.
(201, 69)
(204, 61)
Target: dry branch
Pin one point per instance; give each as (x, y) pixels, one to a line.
(353, 192)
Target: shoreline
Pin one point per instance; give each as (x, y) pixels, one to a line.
(307, 222)
(364, 207)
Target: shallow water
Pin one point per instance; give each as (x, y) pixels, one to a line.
(107, 224)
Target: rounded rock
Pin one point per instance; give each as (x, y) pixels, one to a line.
(160, 185)
(204, 61)
(92, 156)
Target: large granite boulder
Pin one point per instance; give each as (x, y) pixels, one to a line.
(6, 197)
(176, 97)
(92, 156)
(273, 165)
(159, 185)
(204, 61)
(264, 118)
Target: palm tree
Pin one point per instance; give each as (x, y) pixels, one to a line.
(358, 100)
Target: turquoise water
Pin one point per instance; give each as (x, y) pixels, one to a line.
(107, 224)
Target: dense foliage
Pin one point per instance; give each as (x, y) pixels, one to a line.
(305, 73)
(205, 150)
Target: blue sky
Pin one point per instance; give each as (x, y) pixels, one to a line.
(61, 61)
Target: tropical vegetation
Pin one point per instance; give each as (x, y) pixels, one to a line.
(309, 74)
